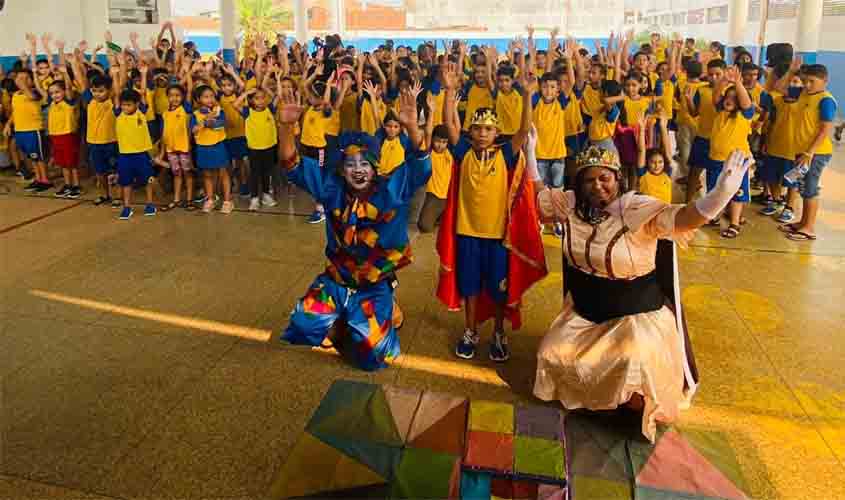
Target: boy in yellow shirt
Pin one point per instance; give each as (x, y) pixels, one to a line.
(28, 122)
(701, 106)
(134, 143)
(231, 86)
(261, 139)
(100, 132)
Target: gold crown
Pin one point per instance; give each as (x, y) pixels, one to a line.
(595, 156)
(485, 116)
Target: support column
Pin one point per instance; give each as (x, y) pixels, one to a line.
(229, 28)
(737, 24)
(339, 17)
(300, 21)
(809, 27)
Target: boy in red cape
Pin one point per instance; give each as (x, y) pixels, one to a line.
(489, 242)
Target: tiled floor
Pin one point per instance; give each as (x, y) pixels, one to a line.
(139, 359)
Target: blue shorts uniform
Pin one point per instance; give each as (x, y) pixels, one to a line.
(743, 195)
(699, 156)
(103, 157)
(32, 144)
(482, 263)
(809, 184)
(773, 168)
(236, 147)
(212, 157)
(365, 328)
(134, 168)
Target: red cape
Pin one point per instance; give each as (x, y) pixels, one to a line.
(526, 260)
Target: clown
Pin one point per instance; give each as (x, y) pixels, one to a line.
(367, 234)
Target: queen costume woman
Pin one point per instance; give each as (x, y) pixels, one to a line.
(618, 342)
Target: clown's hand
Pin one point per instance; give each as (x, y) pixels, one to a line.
(729, 182)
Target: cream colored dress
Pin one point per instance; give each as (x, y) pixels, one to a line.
(600, 366)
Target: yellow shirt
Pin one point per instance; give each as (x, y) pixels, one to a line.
(160, 102)
(657, 186)
(150, 115)
(441, 174)
(63, 118)
(333, 125)
(133, 135)
(369, 124)
(635, 109)
(391, 156)
(660, 51)
(730, 132)
(314, 125)
(591, 103)
(509, 111)
(666, 102)
(551, 133)
(477, 97)
(808, 122)
(175, 134)
(437, 112)
(601, 128)
(684, 117)
(234, 118)
(483, 195)
(780, 138)
(44, 85)
(572, 118)
(26, 112)
(261, 132)
(707, 111)
(208, 136)
(350, 119)
(100, 124)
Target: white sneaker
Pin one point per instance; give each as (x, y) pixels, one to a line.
(254, 204)
(268, 201)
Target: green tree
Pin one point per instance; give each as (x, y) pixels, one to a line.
(262, 16)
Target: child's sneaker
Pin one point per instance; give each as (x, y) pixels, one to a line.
(466, 346)
(63, 192)
(317, 217)
(267, 201)
(244, 191)
(74, 192)
(769, 210)
(126, 213)
(32, 186)
(150, 210)
(43, 186)
(115, 203)
(227, 207)
(208, 206)
(254, 204)
(499, 351)
(101, 199)
(786, 216)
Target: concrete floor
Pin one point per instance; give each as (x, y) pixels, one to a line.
(138, 359)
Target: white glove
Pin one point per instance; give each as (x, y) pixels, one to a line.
(530, 149)
(726, 187)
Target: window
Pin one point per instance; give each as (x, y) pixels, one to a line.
(680, 19)
(133, 11)
(717, 15)
(834, 7)
(696, 16)
(783, 9)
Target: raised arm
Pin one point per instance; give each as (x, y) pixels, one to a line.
(451, 82)
(490, 55)
(430, 102)
(371, 91)
(46, 38)
(409, 115)
(550, 58)
(290, 109)
(526, 83)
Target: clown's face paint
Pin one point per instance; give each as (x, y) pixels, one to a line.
(358, 172)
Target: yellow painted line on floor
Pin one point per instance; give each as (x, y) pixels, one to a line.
(427, 364)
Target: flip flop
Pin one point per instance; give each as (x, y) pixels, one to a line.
(801, 236)
(730, 232)
(787, 228)
(169, 206)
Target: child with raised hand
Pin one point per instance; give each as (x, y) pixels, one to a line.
(603, 121)
(700, 103)
(370, 90)
(315, 122)
(487, 207)
(63, 128)
(134, 143)
(396, 143)
(208, 124)
(259, 109)
(176, 146)
(231, 87)
(653, 167)
(731, 130)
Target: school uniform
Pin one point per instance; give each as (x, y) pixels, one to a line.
(134, 143)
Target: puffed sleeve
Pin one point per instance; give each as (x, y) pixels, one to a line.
(555, 205)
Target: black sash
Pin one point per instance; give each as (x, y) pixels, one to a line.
(601, 299)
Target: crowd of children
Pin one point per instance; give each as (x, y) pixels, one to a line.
(672, 113)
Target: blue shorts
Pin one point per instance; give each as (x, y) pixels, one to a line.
(134, 168)
(236, 147)
(359, 312)
(212, 157)
(483, 263)
(699, 155)
(31, 144)
(103, 157)
(156, 128)
(809, 184)
(773, 168)
(743, 195)
(552, 172)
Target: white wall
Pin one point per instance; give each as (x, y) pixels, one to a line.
(71, 20)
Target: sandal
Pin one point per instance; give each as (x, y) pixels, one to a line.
(169, 206)
(731, 232)
(788, 228)
(190, 207)
(714, 223)
(101, 199)
(800, 236)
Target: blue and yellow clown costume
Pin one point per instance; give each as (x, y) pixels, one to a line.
(367, 242)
